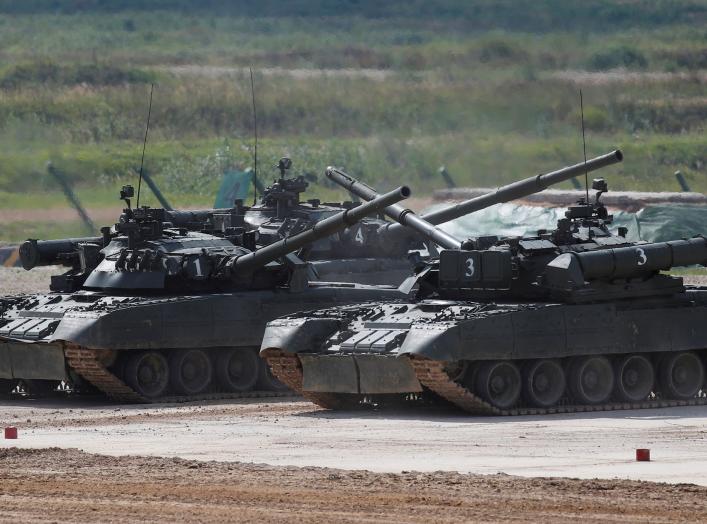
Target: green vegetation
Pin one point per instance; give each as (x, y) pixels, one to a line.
(387, 90)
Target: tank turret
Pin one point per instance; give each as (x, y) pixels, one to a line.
(144, 250)
(581, 260)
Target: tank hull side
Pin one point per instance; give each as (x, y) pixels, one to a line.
(369, 271)
(505, 332)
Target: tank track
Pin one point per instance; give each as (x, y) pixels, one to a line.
(87, 363)
(287, 369)
(432, 375)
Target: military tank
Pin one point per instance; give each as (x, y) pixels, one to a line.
(110, 283)
(154, 309)
(573, 319)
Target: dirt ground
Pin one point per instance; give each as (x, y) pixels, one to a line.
(68, 485)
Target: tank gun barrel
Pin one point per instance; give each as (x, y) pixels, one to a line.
(521, 188)
(506, 193)
(397, 212)
(321, 229)
(35, 253)
(575, 269)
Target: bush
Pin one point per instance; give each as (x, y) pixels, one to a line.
(623, 56)
(501, 51)
(47, 72)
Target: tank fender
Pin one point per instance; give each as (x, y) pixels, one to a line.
(298, 335)
(438, 342)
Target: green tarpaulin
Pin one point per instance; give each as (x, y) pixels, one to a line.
(235, 185)
(655, 223)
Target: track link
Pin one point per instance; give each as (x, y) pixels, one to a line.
(87, 363)
(432, 375)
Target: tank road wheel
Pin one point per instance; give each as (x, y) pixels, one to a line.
(237, 369)
(543, 383)
(266, 380)
(190, 371)
(634, 378)
(147, 372)
(499, 383)
(681, 375)
(591, 380)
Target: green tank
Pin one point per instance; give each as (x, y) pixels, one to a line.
(572, 319)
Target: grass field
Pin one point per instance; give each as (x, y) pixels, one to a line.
(389, 91)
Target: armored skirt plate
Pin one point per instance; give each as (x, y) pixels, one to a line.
(361, 374)
(32, 361)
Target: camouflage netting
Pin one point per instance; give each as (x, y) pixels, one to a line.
(653, 223)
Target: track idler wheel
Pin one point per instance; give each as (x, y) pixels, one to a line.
(147, 372)
(544, 383)
(498, 383)
(681, 375)
(591, 379)
(237, 369)
(635, 378)
(190, 371)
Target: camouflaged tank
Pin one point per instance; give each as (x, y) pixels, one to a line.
(574, 319)
(156, 309)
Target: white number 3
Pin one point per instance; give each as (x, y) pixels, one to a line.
(469, 267)
(642, 258)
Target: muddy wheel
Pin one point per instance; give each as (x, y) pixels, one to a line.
(147, 373)
(190, 371)
(591, 380)
(237, 369)
(543, 383)
(40, 388)
(634, 378)
(681, 375)
(266, 380)
(499, 383)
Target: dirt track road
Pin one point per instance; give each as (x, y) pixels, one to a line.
(68, 485)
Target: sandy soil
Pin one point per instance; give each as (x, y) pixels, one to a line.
(99, 215)
(68, 485)
(17, 280)
(291, 432)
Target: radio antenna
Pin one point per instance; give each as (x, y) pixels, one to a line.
(255, 136)
(144, 145)
(584, 146)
